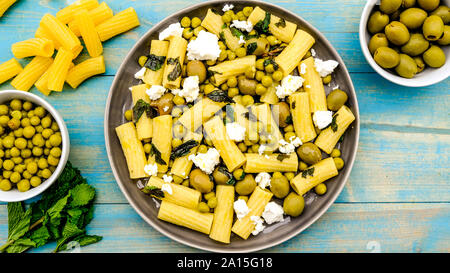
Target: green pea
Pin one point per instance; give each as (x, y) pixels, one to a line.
(8, 165)
(25, 153)
(26, 174)
(212, 202)
(203, 207)
(320, 189)
(23, 185)
(14, 124)
(25, 122)
(185, 22)
(55, 151)
(16, 104)
(46, 173)
(266, 81)
(15, 177)
(4, 109)
(16, 114)
(37, 151)
(55, 140)
(8, 141)
(335, 153)
(241, 52)
(39, 111)
(5, 185)
(339, 162)
(18, 132)
(20, 143)
(35, 120)
(35, 181)
(46, 122)
(27, 105)
(4, 120)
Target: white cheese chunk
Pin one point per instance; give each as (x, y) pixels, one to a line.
(235, 131)
(289, 85)
(242, 25)
(174, 29)
(206, 161)
(241, 40)
(227, 7)
(155, 92)
(190, 89)
(261, 149)
(204, 47)
(273, 213)
(140, 74)
(167, 188)
(167, 178)
(303, 67)
(151, 169)
(322, 118)
(324, 68)
(263, 179)
(240, 208)
(258, 224)
(289, 147)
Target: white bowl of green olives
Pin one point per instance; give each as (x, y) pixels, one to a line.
(34, 145)
(407, 41)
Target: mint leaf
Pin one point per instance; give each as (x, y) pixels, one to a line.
(82, 195)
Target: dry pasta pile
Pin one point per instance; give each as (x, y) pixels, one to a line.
(93, 22)
(231, 119)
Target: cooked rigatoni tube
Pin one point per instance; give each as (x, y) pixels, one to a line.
(89, 33)
(181, 195)
(158, 53)
(98, 15)
(119, 23)
(270, 96)
(67, 14)
(59, 69)
(256, 204)
(212, 22)
(228, 150)
(4, 5)
(132, 149)
(257, 163)
(33, 47)
(85, 70)
(232, 68)
(9, 69)
(174, 63)
(182, 165)
(230, 40)
(242, 117)
(42, 84)
(202, 110)
(265, 116)
(313, 85)
(161, 142)
(189, 218)
(280, 28)
(328, 137)
(294, 51)
(223, 214)
(31, 73)
(43, 33)
(62, 34)
(301, 116)
(314, 175)
(144, 125)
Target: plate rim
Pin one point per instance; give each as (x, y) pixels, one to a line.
(331, 198)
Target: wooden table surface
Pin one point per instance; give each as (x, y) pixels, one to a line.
(396, 200)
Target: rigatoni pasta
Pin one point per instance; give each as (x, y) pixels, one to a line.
(5, 5)
(180, 195)
(59, 69)
(67, 14)
(9, 69)
(119, 23)
(161, 142)
(301, 116)
(313, 86)
(144, 124)
(31, 73)
(223, 214)
(314, 175)
(89, 33)
(98, 15)
(85, 70)
(158, 51)
(33, 47)
(174, 63)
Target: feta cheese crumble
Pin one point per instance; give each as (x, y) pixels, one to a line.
(151, 169)
(167, 188)
(303, 67)
(261, 149)
(235, 131)
(313, 52)
(172, 30)
(155, 92)
(273, 213)
(289, 85)
(140, 74)
(206, 161)
(240, 208)
(227, 7)
(241, 40)
(190, 89)
(322, 118)
(324, 68)
(263, 179)
(289, 147)
(242, 25)
(167, 178)
(258, 224)
(205, 47)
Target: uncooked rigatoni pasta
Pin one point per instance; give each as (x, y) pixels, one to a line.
(98, 15)
(84, 70)
(67, 14)
(59, 69)
(89, 33)
(31, 73)
(119, 23)
(33, 47)
(9, 69)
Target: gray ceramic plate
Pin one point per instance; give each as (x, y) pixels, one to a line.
(119, 100)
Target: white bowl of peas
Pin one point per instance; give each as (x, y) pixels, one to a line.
(34, 145)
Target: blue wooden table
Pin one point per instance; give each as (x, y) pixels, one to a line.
(396, 200)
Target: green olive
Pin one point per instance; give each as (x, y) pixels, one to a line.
(397, 33)
(164, 104)
(247, 86)
(443, 12)
(416, 45)
(419, 63)
(407, 67)
(246, 186)
(434, 57)
(390, 6)
(293, 204)
(282, 113)
(433, 28)
(377, 22)
(196, 68)
(445, 39)
(386, 57)
(279, 186)
(200, 181)
(377, 40)
(220, 177)
(309, 153)
(413, 18)
(257, 46)
(408, 3)
(336, 99)
(428, 5)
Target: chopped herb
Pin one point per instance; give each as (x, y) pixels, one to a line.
(272, 62)
(307, 172)
(288, 120)
(251, 48)
(236, 32)
(153, 191)
(157, 153)
(281, 23)
(333, 124)
(140, 107)
(183, 149)
(224, 26)
(274, 51)
(176, 72)
(222, 36)
(250, 116)
(282, 157)
(219, 96)
(248, 37)
(154, 62)
(263, 25)
(341, 138)
(293, 105)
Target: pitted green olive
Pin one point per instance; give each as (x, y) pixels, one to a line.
(413, 18)
(247, 86)
(428, 5)
(196, 68)
(279, 186)
(220, 177)
(386, 57)
(293, 204)
(433, 28)
(407, 67)
(377, 40)
(416, 45)
(390, 6)
(434, 57)
(309, 153)
(419, 63)
(443, 12)
(377, 22)
(200, 181)
(397, 33)
(445, 39)
(336, 99)
(246, 186)
(282, 113)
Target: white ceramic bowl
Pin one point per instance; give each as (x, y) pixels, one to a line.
(14, 195)
(427, 77)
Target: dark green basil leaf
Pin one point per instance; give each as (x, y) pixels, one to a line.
(272, 62)
(183, 149)
(219, 96)
(263, 25)
(154, 62)
(140, 107)
(157, 153)
(307, 172)
(281, 23)
(251, 48)
(176, 72)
